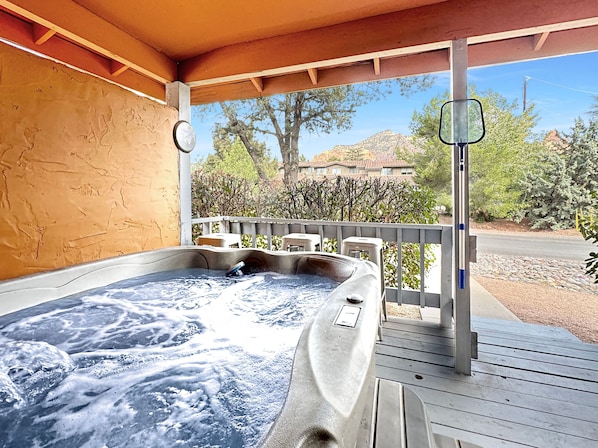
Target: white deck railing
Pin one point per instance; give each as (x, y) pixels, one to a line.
(425, 235)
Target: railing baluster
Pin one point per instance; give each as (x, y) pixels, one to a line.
(253, 235)
(269, 236)
(321, 232)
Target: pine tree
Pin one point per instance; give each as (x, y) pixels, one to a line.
(565, 180)
(582, 158)
(551, 193)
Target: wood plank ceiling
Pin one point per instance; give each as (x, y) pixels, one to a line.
(243, 49)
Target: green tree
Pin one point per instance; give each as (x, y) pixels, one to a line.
(433, 164)
(549, 193)
(581, 156)
(588, 227)
(496, 164)
(285, 117)
(231, 157)
(594, 110)
(564, 180)
(355, 153)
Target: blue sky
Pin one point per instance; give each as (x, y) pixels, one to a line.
(561, 89)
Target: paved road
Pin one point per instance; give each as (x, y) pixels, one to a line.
(512, 244)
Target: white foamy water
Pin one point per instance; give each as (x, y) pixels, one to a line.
(179, 359)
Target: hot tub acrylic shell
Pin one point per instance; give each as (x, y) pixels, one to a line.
(332, 381)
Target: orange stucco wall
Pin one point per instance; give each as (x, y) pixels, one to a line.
(87, 170)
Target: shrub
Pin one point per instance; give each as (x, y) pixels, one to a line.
(588, 227)
(328, 199)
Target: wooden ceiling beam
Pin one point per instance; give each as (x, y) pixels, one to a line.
(41, 34)
(21, 32)
(489, 53)
(580, 40)
(88, 30)
(117, 68)
(436, 61)
(313, 75)
(497, 32)
(258, 83)
(389, 35)
(539, 40)
(376, 66)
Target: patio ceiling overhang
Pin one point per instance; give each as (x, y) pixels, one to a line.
(239, 49)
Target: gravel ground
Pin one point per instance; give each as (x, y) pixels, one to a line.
(559, 274)
(541, 291)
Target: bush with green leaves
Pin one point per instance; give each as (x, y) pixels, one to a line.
(359, 200)
(228, 195)
(329, 199)
(588, 227)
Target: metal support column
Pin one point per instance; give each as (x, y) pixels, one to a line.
(462, 308)
(178, 95)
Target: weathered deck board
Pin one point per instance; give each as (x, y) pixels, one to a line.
(548, 399)
(532, 386)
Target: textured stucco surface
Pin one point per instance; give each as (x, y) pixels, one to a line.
(87, 170)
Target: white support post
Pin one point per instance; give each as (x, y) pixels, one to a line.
(178, 95)
(462, 308)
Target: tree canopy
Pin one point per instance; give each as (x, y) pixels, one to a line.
(564, 178)
(231, 157)
(594, 110)
(496, 164)
(285, 117)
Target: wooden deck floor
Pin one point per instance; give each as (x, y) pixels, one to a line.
(532, 386)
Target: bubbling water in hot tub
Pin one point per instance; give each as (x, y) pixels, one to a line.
(185, 358)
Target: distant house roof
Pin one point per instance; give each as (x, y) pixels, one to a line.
(364, 164)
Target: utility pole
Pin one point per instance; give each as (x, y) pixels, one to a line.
(525, 80)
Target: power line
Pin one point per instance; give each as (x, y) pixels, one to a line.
(589, 92)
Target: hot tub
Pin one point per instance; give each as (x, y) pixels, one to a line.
(328, 402)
